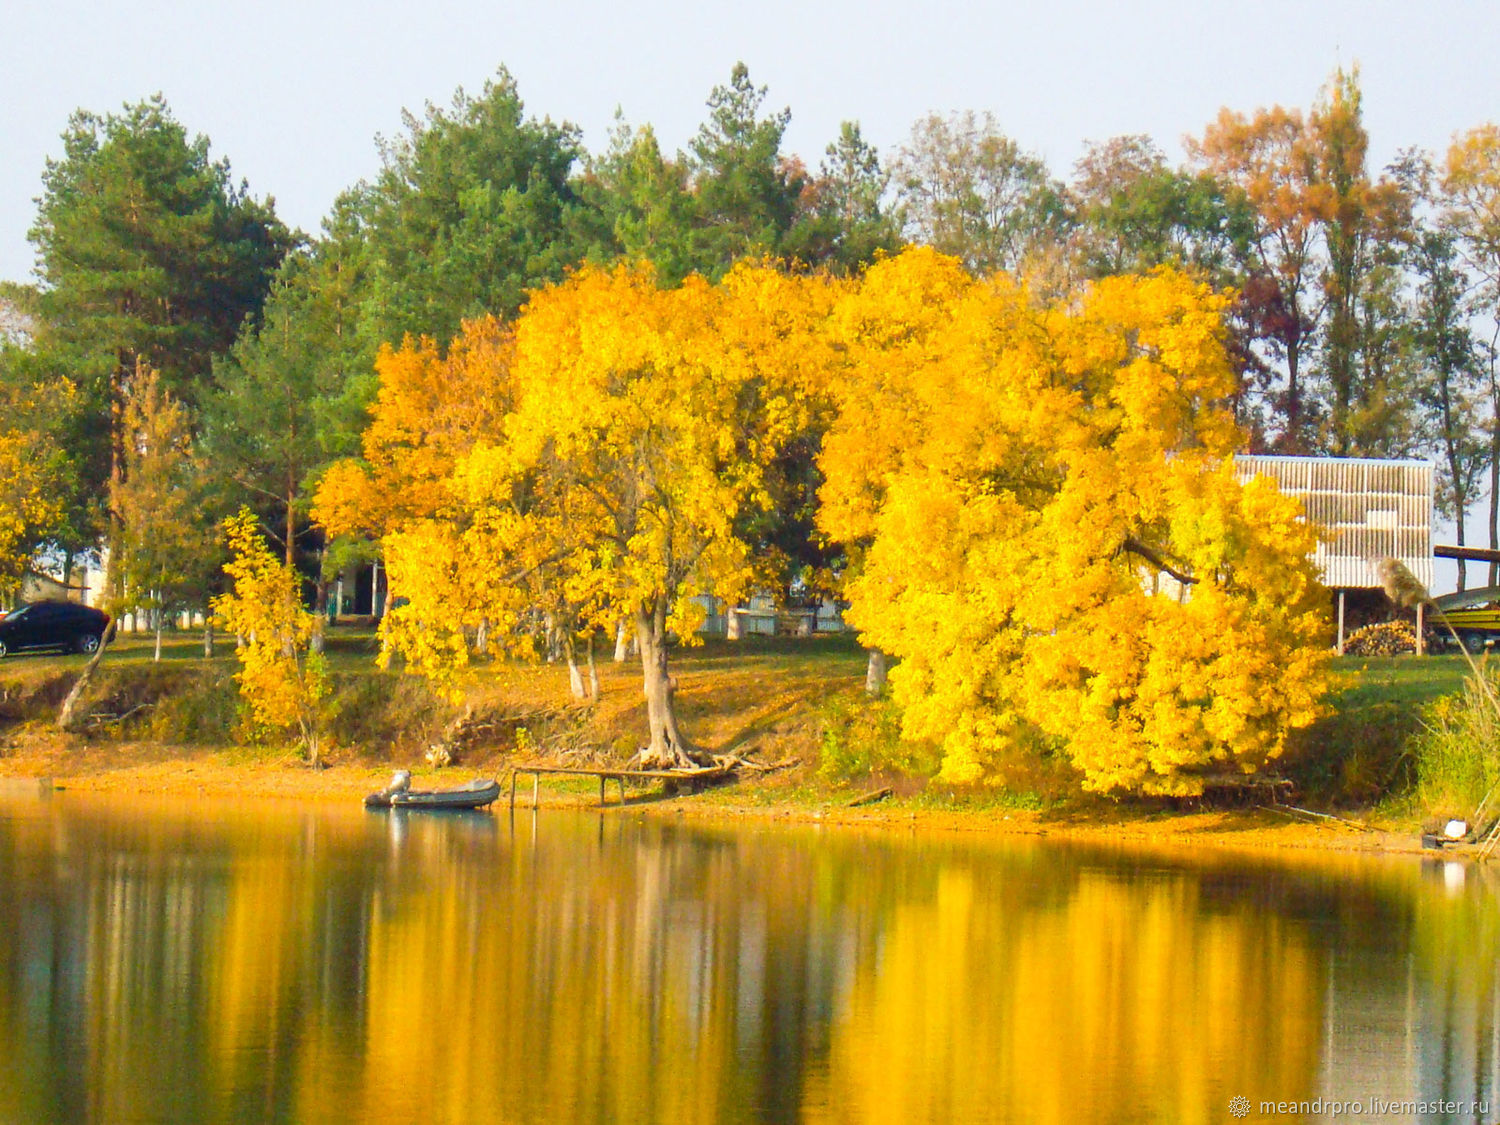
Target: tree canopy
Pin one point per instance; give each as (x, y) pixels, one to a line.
(1060, 553)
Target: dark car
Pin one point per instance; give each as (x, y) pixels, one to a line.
(64, 625)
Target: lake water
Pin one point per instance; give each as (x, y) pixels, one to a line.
(258, 961)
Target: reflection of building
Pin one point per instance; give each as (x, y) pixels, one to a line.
(1370, 510)
(1412, 1012)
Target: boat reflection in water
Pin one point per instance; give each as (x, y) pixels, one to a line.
(321, 964)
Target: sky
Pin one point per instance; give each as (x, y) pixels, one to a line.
(294, 94)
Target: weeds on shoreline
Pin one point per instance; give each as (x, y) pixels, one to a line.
(1456, 754)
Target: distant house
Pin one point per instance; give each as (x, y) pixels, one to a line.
(761, 616)
(1371, 509)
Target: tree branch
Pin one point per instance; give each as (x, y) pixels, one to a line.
(1136, 547)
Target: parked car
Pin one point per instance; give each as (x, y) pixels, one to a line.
(64, 625)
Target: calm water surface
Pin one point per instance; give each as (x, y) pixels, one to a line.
(220, 962)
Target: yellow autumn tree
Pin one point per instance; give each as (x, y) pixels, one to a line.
(1471, 198)
(283, 681)
(1060, 553)
(432, 406)
(27, 503)
(32, 471)
(649, 418)
(640, 428)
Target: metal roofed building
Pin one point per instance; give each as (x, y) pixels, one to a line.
(1371, 509)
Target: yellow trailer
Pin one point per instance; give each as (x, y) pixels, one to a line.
(1473, 614)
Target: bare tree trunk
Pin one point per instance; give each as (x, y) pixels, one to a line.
(314, 751)
(875, 669)
(320, 616)
(68, 717)
(291, 525)
(570, 652)
(669, 749)
(622, 642)
(159, 618)
(1494, 460)
(482, 637)
(208, 636)
(1460, 521)
(593, 671)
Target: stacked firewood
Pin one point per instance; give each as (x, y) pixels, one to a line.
(1389, 638)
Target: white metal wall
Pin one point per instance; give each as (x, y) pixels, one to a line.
(1371, 509)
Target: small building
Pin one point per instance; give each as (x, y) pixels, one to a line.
(37, 586)
(760, 615)
(1371, 509)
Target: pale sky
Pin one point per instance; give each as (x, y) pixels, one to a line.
(294, 93)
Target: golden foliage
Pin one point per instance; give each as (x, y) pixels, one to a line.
(27, 501)
(30, 473)
(1471, 183)
(284, 683)
(1021, 484)
(652, 414)
(431, 408)
(1027, 476)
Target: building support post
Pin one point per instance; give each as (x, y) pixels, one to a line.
(1421, 645)
(1341, 623)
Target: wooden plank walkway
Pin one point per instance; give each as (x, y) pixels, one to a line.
(693, 777)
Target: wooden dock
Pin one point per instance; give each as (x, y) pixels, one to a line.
(693, 778)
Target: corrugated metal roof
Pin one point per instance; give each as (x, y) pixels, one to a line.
(1370, 508)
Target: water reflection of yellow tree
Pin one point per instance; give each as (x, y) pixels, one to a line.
(614, 970)
(284, 1001)
(583, 986)
(1117, 1002)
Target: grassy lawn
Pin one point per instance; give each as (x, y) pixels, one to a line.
(1356, 754)
(1395, 681)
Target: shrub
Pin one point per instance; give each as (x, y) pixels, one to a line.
(1457, 753)
(861, 737)
(204, 710)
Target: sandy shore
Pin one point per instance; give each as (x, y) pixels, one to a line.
(155, 770)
